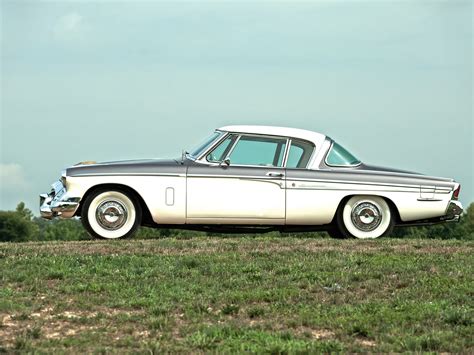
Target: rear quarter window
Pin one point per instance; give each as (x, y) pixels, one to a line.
(339, 156)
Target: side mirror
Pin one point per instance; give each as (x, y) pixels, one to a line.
(225, 162)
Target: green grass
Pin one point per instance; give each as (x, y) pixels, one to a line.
(262, 294)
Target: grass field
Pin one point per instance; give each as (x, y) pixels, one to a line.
(257, 294)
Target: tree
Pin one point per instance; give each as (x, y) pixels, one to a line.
(61, 229)
(17, 226)
(24, 212)
(467, 223)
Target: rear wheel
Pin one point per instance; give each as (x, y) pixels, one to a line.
(365, 217)
(111, 214)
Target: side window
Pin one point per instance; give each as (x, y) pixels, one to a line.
(219, 153)
(299, 154)
(259, 151)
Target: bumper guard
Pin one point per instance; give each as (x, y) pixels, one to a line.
(453, 212)
(57, 203)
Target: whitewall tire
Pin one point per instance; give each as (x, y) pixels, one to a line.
(111, 214)
(365, 217)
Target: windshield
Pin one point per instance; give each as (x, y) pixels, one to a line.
(205, 144)
(339, 156)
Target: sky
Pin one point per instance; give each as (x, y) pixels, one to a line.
(107, 80)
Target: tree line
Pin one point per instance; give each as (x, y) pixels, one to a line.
(21, 226)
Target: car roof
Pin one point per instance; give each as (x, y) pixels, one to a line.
(314, 137)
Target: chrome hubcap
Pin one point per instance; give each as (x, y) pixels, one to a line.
(366, 216)
(111, 215)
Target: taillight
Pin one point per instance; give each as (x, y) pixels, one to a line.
(456, 192)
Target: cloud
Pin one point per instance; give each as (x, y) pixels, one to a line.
(12, 177)
(69, 26)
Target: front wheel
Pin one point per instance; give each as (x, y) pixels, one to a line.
(365, 217)
(111, 214)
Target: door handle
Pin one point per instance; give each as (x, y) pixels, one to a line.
(273, 174)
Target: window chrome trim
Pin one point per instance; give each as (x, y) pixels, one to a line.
(217, 146)
(233, 146)
(218, 141)
(220, 134)
(255, 166)
(286, 139)
(311, 157)
(338, 165)
(287, 152)
(202, 159)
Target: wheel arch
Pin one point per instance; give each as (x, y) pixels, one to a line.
(391, 204)
(146, 215)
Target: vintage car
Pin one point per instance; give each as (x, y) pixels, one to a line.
(251, 178)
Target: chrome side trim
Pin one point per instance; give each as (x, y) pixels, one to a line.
(440, 190)
(361, 183)
(130, 174)
(414, 188)
(276, 181)
(417, 187)
(251, 177)
(354, 189)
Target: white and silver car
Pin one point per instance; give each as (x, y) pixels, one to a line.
(252, 178)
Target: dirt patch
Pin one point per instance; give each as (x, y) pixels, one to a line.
(300, 331)
(366, 342)
(46, 323)
(316, 334)
(61, 329)
(321, 334)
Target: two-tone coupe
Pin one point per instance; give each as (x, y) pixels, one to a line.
(252, 178)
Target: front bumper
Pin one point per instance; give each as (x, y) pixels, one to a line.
(57, 203)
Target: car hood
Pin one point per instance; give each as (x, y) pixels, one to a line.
(127, 167)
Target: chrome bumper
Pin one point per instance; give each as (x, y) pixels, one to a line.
(453, 212)
(57, 203)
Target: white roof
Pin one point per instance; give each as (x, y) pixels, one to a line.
(316, 138)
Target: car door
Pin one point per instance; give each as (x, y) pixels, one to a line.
(241, 181)
(306, 200)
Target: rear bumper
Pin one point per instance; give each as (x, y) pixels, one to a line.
(58, 204)
(453, 212)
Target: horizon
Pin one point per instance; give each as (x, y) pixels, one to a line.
(391, 81)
